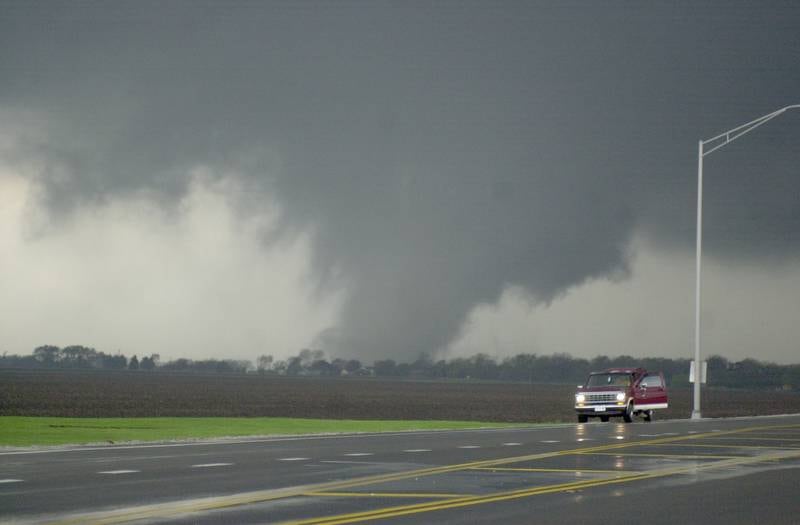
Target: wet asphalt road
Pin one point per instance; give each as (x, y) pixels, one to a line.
(709, 471)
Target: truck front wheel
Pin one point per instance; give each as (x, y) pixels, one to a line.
(628, 415)
(582, 418)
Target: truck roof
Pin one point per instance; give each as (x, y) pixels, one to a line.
(622, 371)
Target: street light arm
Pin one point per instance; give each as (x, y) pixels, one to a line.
(729, 136)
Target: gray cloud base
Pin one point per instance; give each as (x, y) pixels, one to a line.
(437, 154)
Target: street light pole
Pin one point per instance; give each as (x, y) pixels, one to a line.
(723, 139)
(697, 288)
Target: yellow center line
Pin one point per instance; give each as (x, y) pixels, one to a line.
(642, 454)
(794, 428)
(386, 495)
(783, 433)
(709, 445)
(562, 470)
(758, 438)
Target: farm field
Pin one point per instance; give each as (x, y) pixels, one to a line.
(104, 394)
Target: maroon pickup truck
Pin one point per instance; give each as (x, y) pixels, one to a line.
(625, 392)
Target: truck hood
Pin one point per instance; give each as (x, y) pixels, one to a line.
(603, 389)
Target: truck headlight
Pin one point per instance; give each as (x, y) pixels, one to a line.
(580, 398)
(621, 396)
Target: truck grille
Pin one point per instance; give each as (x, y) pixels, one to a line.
(601, 398)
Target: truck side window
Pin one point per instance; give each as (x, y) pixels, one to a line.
(652, 381)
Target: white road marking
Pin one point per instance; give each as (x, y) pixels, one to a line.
(580, 440)
(115, 472)
(293, 459)
(418, 450)
(551, 441)
(10, 480)
(692, 432)
(357, 454)
(208, 465)
(618, 437)
(469, 446)
(511, 444)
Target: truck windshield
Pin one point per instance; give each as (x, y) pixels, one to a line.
(609, 380)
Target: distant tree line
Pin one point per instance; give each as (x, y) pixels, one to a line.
(563, 368)
(531, 368)
(82, 357)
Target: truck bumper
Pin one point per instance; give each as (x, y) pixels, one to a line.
(600, 410)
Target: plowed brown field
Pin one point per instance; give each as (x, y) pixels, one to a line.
(146, 394)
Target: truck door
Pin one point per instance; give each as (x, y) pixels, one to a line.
(653, 390)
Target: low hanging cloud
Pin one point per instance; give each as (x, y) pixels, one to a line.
(432, 157)
(128, 276)
(748, 311)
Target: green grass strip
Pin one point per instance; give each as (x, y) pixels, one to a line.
(27, 431)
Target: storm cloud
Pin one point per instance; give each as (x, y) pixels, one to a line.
(434, 155)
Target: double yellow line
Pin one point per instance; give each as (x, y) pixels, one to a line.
(725, 462)
(391, 512)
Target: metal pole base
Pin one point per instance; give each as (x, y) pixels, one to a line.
(696, 414)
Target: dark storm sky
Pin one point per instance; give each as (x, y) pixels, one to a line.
(436, 153)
